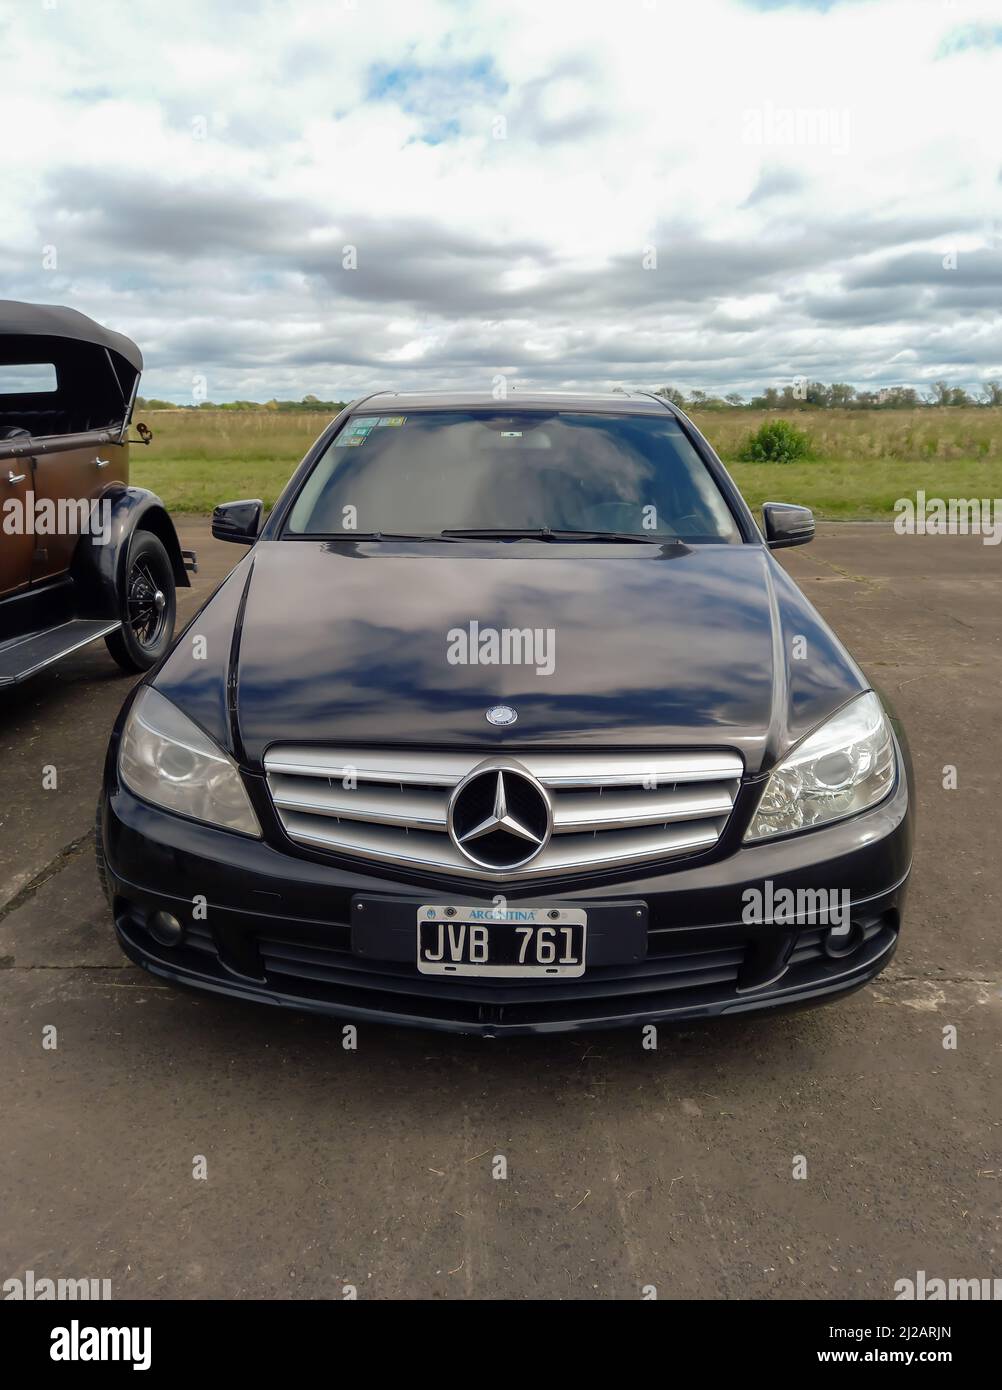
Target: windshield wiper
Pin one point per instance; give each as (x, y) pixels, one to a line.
(380, 536)
(545, 533)
(497, 533)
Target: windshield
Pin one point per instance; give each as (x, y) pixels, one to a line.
(434, 471)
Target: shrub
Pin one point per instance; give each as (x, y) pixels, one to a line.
(776, 442)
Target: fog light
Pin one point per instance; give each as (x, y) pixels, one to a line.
(165, 928)
(838, 944)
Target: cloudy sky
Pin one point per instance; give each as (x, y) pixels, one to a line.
(330, 196)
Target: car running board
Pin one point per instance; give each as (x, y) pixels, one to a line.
(190, 560)
(21, 657)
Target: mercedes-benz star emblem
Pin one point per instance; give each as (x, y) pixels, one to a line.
(501, 714)
(500, 817)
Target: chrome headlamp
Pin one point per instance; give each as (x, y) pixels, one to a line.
(846, 766)
(167, 760)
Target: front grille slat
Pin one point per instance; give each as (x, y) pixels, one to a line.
(382, 805)
(438, 769)
(609, 809)
(625, 809)
(693, 970)
(630, 770)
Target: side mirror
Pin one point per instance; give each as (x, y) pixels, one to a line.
(787, 525)
(237, 521)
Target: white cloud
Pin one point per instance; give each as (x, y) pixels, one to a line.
(801, 172)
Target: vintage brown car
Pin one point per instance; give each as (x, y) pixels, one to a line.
(82, 554)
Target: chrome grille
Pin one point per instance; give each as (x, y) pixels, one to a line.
(609, 809)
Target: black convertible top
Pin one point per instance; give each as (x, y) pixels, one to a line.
(97, 377)
(55, 321)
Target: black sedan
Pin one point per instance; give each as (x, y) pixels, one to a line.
(509, 722)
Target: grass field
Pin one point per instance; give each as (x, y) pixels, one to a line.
(865, 459)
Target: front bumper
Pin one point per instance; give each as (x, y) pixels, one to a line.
(276, 926)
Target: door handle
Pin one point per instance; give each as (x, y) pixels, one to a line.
(13, 477)
(102, 463)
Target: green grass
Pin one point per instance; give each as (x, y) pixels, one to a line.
(865, 459)
(199, 459)
(847, 490)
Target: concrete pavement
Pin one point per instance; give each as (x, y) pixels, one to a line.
(626, 1168)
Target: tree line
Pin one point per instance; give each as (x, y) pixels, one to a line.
(307, 403)
(798, 395)
(807, 395)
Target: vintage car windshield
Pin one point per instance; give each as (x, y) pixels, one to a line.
(438, 470)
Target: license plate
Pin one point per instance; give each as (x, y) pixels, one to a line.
(466, 939)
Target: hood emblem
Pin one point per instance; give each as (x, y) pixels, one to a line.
(501, 714)
(500, 817)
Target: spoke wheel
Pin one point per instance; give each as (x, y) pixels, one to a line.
(146, 603)
(148, 606)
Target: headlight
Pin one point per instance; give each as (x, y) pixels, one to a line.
(166, 759)
(844, 767)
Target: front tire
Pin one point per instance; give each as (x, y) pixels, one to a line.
(148, 606)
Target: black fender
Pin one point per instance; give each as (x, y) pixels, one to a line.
(100, 560)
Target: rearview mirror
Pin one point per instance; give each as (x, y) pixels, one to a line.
(237, 521)
(787, 525)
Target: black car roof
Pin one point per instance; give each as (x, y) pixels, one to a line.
(617, 402)
(18, 319)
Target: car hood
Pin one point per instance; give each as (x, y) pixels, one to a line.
(638, 645)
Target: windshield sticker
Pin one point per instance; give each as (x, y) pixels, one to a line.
(391, 419)
(355, 433)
